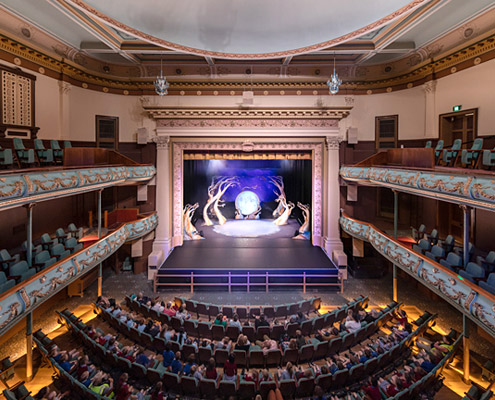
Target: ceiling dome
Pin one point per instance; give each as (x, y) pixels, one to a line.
(247, 28)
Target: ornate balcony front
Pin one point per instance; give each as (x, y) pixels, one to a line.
(29, 294)
(470, 299)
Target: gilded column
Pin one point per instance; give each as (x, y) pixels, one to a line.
(162, 241)
(332, 233)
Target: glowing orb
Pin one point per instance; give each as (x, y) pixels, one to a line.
(247, 202)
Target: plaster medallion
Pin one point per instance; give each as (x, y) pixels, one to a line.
(17, 61)
(85, 85)
(477, 60)
(410, 85)
(198, 92)
(105, 89)
(369, 91)
(298, 92)
(453, 69)
(389, 89)
(41, 70)
(126, 92)
(182, 93)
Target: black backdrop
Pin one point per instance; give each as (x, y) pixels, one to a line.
(297, 176)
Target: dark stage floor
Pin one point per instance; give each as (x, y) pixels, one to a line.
(241, 253)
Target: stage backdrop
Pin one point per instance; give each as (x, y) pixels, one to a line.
(252, 175)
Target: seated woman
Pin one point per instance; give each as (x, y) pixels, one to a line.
(224, 344)
(189, 363)
(230, 369)
(210, 371)
(220, 320)
(242, 343)
(390, 387)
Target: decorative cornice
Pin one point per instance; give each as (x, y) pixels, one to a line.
(59, 68)
(334, 113)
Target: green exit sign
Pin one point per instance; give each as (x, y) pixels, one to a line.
(457, 108)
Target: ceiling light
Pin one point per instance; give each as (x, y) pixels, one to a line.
(334, 82)
(161, 84)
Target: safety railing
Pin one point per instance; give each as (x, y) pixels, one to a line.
(230, 280)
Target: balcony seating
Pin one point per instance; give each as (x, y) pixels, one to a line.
(488, 158)
(21, 271)
(473, 272)
(35, 249)
(72, 245)
(433, 237)
(448, 244)
(438, 150)
(460, 250)
(436, 253)
(452, 262)
(487, 263)
(74, 231)
(47, 242)
(449, 156)
(67, 144)
(43, 260)
(422, 246)
(59, 251)
(45, 156)
(5, 284)
(489, 285)
(6, 157)
(25, 156)
(60, 234)
(18, 393)
(58, 153)
(6, 260)
(428, 144)
(419, 233)
(469, 158)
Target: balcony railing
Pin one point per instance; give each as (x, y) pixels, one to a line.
(470, 299)
(26, 296)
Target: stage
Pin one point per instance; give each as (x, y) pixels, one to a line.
(248, 264)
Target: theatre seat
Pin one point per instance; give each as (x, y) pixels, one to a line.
(433, 237)
(44, 155)
(448, 244)
(436, 253)
(59, 251)
(6, 157)
(438, 150)
(469, 158)
(488, 159)
(422, 246)
(473, 272)
(58, 153)
(6, 260)
(21, 271)
(452, 262)
(43, 260)
(428, 144)
(418, 234)
(489, 285)
(72, 245)
(25, 156)
(5, 284)
(488, 263)
(449, 156)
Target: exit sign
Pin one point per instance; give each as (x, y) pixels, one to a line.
(457, 108)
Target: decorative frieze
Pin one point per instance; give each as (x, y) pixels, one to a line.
(259, 116)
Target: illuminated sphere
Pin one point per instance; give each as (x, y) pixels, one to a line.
(247, 202)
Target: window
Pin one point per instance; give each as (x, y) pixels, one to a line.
(386, 131)
(107, 132)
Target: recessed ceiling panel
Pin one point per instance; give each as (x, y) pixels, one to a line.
(247, 29)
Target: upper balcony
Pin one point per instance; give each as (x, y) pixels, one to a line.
(415, 171)
(82, 170)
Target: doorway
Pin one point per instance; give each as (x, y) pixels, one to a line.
(459, 125)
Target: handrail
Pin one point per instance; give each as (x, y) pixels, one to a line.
(248, 283)
(29, 294)
(21, 188)
(467, 297)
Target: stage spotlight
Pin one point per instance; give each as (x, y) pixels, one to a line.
(215, 166)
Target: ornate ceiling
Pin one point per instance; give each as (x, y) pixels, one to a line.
(229, 45)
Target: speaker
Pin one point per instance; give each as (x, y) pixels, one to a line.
(352, 136)
(247, 97)
(142, 135)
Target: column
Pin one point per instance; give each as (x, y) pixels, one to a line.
(465, 345)
(29, 346)
(29, 239)
(64, 117)
(332, 237)
(465, 248)
(396, 218)
(100, 267)
(162, 242)
(431, 118)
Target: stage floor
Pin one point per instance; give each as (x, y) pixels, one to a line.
(247, 254)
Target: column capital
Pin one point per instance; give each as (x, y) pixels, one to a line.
(64, 87)
(332, 142)
(430, 86)
(162, 142)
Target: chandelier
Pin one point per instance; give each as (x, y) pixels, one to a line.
(161, 84)
(334, 82)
